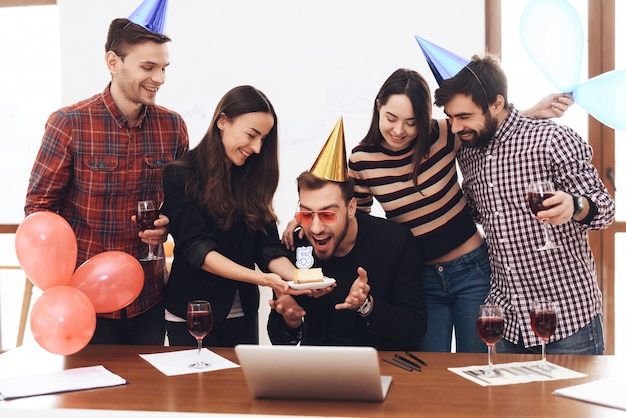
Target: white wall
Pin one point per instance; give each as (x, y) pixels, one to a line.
(316, 60)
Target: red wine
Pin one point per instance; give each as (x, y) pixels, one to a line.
(146, 218)
(199, 323)
(543, 323)
(535, 200)
(490, 329)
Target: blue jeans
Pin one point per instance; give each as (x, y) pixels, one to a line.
(588, 340)
(454, 291)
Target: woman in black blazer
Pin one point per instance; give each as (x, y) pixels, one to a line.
(218, 198)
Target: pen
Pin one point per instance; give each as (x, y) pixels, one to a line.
(398, 364)
(416, 359)
(408, 362)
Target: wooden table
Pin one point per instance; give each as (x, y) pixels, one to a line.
(435, 392)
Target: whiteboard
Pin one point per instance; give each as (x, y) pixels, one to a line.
(315, 60)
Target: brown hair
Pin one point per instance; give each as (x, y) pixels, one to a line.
(482, 79)
(308, 181)
(124, 33)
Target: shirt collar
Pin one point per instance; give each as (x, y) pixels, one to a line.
(508, 127)
(116, 113)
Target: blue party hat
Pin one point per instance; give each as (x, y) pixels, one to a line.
(444, 64)
(151, 15)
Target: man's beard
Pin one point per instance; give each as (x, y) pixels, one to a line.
(338, 240)
(481, 139)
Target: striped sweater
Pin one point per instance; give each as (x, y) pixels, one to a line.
(437, 214)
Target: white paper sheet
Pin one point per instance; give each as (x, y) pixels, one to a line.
(173, 363)
(607, 392)
(63, 381)
(514, 373)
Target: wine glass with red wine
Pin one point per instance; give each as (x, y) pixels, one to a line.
(543, 321)
(147, 213)
(199, 324)
(537, 193)
(490, 326)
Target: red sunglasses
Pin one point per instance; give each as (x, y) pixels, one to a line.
(305, 217)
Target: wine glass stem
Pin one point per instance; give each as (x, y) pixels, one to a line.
(543, 352)
(199, 348)
(547, 232)
(490, 366)
(150, 253)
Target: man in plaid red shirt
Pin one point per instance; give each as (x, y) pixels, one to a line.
(102, 155)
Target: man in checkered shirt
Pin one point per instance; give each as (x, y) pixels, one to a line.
(502, 152)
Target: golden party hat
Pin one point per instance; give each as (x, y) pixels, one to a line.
(331, 162)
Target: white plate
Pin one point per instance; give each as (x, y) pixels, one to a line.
(316, 285)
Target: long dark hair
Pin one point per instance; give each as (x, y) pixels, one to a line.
(230, 193)
(413, 85)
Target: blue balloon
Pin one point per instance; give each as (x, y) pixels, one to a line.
(552, 34)
(603, 98)
(151, 15)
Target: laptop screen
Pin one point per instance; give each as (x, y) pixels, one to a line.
(313, 372)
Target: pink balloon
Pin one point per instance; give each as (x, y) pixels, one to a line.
(111, 280)
(63, 320)
(46, 249)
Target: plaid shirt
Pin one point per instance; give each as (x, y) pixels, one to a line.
(495, 179)
(93, 168)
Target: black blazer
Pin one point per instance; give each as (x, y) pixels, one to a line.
(195, 234)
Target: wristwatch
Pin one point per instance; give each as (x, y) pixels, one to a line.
(366, 307)
(579, 204)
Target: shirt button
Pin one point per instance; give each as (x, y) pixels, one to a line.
(489, 157)
(439, 269)
(490, 184)
(130, 166)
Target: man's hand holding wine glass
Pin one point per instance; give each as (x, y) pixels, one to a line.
(147, 217)
(558, 208)
(158, 235)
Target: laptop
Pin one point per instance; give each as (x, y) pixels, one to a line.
(313, 372)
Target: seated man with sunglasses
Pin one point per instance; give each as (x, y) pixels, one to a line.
(378, 300)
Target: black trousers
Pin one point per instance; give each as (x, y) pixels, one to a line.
(243, 330)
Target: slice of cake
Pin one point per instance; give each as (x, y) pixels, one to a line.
(314, 275)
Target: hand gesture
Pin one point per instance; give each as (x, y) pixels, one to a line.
(290, 310)
(358, 292)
